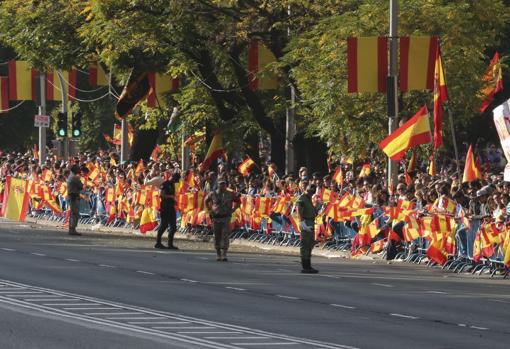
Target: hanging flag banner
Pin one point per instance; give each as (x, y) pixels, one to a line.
(16, 198)
(502, 122)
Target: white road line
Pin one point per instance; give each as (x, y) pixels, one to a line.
(235, 288)
(100, 314)
(106, 266)
(404, 316)
(47, 299)
(38, 254)
(275, 343)
(159, 322)
(342, 306)
(462, 325)
(71, 260)
(91, 308)
(17, 293)
(188, 280)
(67, 304)
(145, 272)
(479, 328)
(247, 337)
(207, 332)
(286, 297)
(382, 285)
(8, 249)
(183, 328)
(498, 300)
(135, 318)
(436, 292)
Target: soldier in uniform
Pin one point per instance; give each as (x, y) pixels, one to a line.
(167, 212)
(74, 188)
(307, 212)
(221, 203)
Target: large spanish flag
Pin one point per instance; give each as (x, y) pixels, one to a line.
(160, 83)
(440, 97)
(471, 171)
(414, 132)
(367, 64)
(16, 198)
(417, 61)
(4, 93)
(148, 220)
(54, 87)
(493, 79)
(259, 58)
(22, 86)
(215, 151)
(136, 89)
(97, 76)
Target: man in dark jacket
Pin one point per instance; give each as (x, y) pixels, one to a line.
(167, 212)
(74, 188)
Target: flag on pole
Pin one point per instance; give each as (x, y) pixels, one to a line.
(160, 84)
(245, 166)
(411, 166)
(417, 60)
(22, 84)
(440, 97)
(54, 87)
(432, 166)
(494, 79)
(365, 171)
(367, 64)
(136, 90)
(471, 171)
(215, 151)
(259, 57)
(4, 93)
(338, 177)
(16, 199)
(97, 76)
(139, 167)
(414, 132)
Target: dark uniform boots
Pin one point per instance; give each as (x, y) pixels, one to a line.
(307, 267)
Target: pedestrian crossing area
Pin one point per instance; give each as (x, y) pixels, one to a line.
(199, 333)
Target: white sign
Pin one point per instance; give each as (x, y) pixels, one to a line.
(502, 122)
(42, 121)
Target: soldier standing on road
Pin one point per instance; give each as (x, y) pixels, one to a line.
(167, 212)
(221, 203)
(74, 188)
(307, 212)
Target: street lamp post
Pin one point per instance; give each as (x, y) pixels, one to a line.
(392, 88)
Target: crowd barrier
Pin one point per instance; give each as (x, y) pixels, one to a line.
(442, 237)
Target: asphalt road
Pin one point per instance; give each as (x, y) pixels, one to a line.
(93, 291)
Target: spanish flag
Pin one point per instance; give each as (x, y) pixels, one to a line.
(136, 90)
(148, 220)
(160, 84)
(414, 132)
(97, 76)
(16, 199)
(365, 171)
(338, 177)
(22, 84)
(4, 93)
(411, 166)
(432, 166)
(259, 58)
(367, 64)
(139, 168)
(245, 166)
(440, 97)
(215, 151)
(54, 87)
(417, 62)
(493, 79)
(436, 252)
(155, 153)
(471, 171)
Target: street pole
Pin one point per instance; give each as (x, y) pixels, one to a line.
(63, 89)
(455, 149)
(42, 111)
(290, 125)
(392, 94)
(124, 144)
(185, 154)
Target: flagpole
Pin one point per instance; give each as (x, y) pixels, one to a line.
(392, 88)
(455, 149)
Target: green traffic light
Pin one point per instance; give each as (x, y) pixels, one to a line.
(61, 133)
(76, 133)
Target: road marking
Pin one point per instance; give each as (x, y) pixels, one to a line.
(382, 285)
(145, 272)
(67, 304)
(247, 337)
(404, 316)
(159, 322)
(47, 299)
(498, 300)
(38, 254)
(235, 288)
(479, 328)
(462, 325)
(436, 292)
(71, 260)
(8, 249)
(286, 297)
(275, 343)
(92, 308)
(188, 280)
(208, 332)
(106, 266)
(15, 293)
(342, 306)
(135, 318)
(99, 314)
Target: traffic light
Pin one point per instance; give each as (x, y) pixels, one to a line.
(62, 124)
(76, 123)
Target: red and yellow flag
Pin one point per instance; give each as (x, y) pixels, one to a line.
(411, 166)
(245, 166)
(367, 64)
(471, 171)
(259, 57)
(4, 93)
(338, 177)
(432, 166)
(365, 171)
(22, 86)
(148, 220)
(155, 153)
(54, 87)
(440, 97)
(417, 61)
(16, 199)
(97, 76)
(139, 167)
(160, 83)
(493, 79)
(215, 151)
(414, 132)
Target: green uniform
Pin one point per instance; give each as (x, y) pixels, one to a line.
(305, 205)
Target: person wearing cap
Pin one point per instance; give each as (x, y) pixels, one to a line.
(221, 203)
(307, 212)
(74, 188)
(167, 212)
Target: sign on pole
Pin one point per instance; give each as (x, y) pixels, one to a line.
(42, 121)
